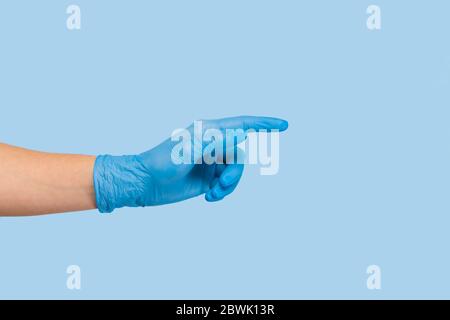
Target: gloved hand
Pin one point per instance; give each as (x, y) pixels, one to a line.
(152, 178)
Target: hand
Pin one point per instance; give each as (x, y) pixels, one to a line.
(153, 178)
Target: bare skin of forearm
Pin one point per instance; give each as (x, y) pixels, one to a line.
(34, 183)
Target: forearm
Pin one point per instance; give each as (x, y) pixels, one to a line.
(33, 183)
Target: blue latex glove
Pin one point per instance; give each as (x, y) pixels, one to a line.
(152, 178)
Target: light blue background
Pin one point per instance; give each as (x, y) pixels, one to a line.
(364, 175)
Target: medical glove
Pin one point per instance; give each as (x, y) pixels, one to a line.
(152, 178)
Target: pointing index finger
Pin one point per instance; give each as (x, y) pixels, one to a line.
(253, 123)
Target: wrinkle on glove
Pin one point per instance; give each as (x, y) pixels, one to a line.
(120, 181)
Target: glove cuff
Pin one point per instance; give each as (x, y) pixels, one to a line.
(117, 182)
